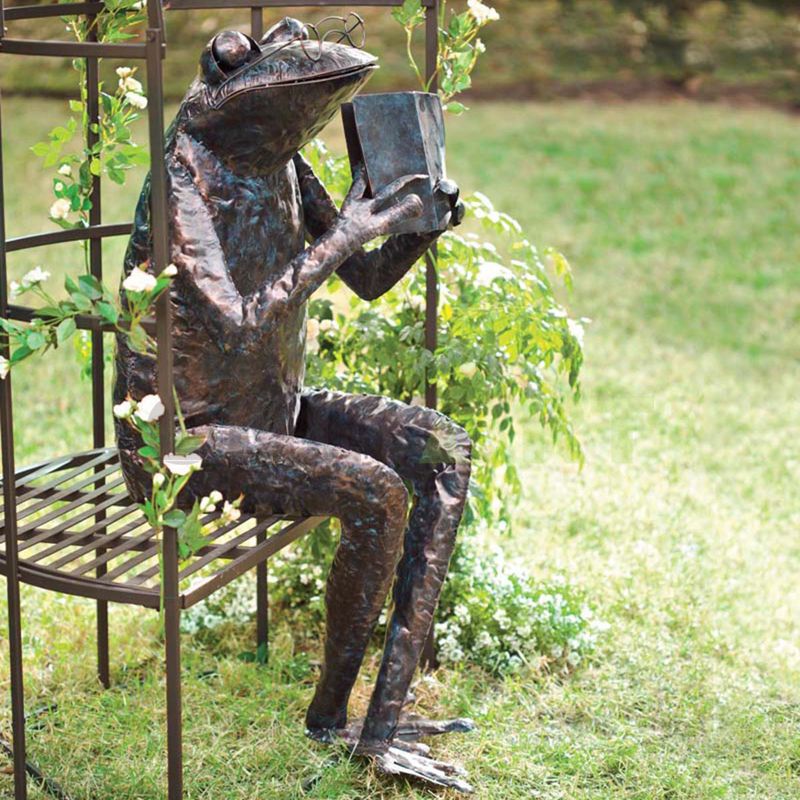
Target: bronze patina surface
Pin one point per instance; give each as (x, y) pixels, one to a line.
(243, 206)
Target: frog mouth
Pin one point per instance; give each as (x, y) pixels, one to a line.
(223, 93)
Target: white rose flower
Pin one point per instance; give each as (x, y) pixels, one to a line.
(215, 497)
(131, 85)
(159, 479)
(207, 505)
(124, 72)
(328, 325)
(481, 12)
(490, 271)
(14, 289)
(469, 369)
(59, 187)
(4, 367)
(183, 465)
(65, 169)
(576, 329)
(61, 208)
(170, 271)
(136, 100)
(150, 408)
(36, 276)
(124, 409)
(230, 513)
(312, 329)
(139, 281)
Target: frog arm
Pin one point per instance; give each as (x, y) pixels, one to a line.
(197, 253)
(199, 256)
(369, 274)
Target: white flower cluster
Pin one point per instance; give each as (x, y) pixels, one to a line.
(140, 280)
(132, 89)
(236, 604)
(481, 12)
(30, 279)
(183, 465)
(61, 208)
(208, 505)
(148, 409)
(498, 617)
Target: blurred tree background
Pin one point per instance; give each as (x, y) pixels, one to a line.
(742, 50)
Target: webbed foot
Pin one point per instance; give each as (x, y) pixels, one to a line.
(412, 727)
(411, 761)
(405, 754)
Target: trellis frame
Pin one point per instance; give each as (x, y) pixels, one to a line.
(152, 52)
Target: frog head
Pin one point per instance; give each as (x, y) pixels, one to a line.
(255, 105)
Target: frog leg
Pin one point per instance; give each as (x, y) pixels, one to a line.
(288, 475)
(372, 273)
(432, 455)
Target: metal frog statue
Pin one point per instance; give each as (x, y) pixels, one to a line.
(243, 205)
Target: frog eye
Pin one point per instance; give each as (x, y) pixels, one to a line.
(233, 49)
(287, 30)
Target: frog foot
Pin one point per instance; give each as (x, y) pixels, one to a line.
(412, 760)
(405, 754)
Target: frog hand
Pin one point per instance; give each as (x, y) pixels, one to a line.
(448, 190)
(364, 219)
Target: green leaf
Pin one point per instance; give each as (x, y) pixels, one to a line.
(410, 14)
(175, 518)
(116, 175)
(108, 312)
(90, 286)
(82, 302)
(20, 354)
(455, 108)
(65, 329)
(35, 340)
(149, 512)
(138, 338)
(148, 452)
(188, 444)
(60, 134)
(190, 533)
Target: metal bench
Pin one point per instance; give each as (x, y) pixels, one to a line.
(68, 523)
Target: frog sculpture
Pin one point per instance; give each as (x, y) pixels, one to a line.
(243, 204)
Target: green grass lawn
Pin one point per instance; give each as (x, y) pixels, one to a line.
(681, 223)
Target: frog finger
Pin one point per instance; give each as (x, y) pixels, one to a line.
(359, 185)
(386, 195)
(408, 208)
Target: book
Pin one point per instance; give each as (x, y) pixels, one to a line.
(396, 134)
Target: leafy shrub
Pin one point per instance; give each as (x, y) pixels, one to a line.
(500, 618)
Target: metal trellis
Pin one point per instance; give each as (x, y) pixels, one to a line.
(68, 522)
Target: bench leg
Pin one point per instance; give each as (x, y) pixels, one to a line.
(17, 695)
(172, 634)
(262, 611)
(103, 663)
